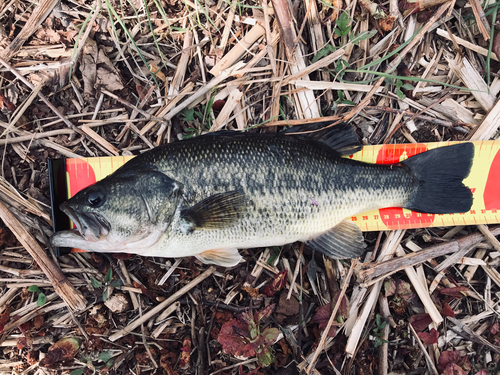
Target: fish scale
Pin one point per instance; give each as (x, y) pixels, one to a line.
(281, 178)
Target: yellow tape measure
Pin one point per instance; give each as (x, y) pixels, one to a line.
(484, 181)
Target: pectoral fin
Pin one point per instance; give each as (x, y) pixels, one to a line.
(216, 211)
(220, 257)
(345, 240)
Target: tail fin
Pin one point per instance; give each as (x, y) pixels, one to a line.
(439, 174)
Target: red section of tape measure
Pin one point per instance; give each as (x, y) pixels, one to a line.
(390, 154)
(492, 188)
(81, 175)
(393, 217)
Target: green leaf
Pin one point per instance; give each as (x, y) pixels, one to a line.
(348, 102)
(116, 283)
(400, 94)
(77, 372)
(407, 86)
(105, 356)
(95, 283)
(270, 335)
(343, 32)
(266, 359)
(41, 299)
(110, 363)
(188, 114)
(105, 295)
(362, 36)
(33, 288)
(109, 275)
(379, 342)
(399, 83)
(343, 20)
(323, 52)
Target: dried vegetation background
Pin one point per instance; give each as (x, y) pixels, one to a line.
(94, 78)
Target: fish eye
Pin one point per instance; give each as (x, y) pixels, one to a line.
(95, 198)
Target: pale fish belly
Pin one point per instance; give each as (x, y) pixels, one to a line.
(276, 222)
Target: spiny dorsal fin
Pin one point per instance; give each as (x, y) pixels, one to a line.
(341, 137)
(343, 241)
(216, 211)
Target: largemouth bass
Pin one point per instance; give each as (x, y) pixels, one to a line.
(212, 195)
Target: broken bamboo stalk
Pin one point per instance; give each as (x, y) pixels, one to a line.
(471, 78)
(73, 298)
(371, 273)
(238, 50)
(41, 11)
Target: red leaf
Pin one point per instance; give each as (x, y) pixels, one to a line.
(241, 337)
(264, 313)
(7, 102)
(186, 352)
(277, 284)
(495, 328)
(403, 289)
(447, 311)
(454, 369)
(447, 358)
(456, 292)
(496, 44)
(390, 287)
(218, 104)
(22, 343)
(429, 338)
(322, 317)
(420, 321)
(4, 318)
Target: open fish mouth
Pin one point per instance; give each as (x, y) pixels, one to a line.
(92, 227)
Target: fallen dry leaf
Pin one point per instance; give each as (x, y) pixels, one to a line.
(98, 71)
(186, 353)
(242, 337)
(420, 321)
(63, 350)
(457, 292)
(277, 284)
(4, 318)
(430, 337)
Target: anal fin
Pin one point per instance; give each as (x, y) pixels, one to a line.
(343, 241)
(220, 257)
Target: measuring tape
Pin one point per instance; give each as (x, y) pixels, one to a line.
(483, 180)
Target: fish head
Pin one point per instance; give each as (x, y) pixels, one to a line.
(125, 212)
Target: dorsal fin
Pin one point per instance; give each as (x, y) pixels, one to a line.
(341, 137)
